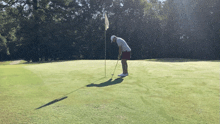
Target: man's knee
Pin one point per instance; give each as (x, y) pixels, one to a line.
(123, 61)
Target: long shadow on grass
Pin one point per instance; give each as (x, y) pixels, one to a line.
(107, 83)
(64, 96)
(52, 102)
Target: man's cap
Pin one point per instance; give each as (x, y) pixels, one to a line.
(112, 37)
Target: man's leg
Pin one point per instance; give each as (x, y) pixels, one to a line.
(124, 66)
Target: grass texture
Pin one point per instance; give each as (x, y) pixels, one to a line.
(155, 92)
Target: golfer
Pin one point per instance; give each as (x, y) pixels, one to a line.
(125, 51)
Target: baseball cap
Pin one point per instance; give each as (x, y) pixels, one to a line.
(113, 36)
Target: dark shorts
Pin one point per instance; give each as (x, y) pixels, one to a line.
(126, 55)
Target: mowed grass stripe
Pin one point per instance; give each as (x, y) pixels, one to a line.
(154, 92)
(19, 89)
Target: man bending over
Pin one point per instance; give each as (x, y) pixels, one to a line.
(125, 51)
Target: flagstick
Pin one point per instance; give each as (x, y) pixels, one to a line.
(106, 27)
(105, 53)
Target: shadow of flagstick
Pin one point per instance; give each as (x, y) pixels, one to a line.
(64, 96)
(83, 86)
(52, 102)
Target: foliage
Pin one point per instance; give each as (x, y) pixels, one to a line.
(53, 29)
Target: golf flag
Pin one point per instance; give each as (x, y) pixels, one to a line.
(106, 22)
(106, 28)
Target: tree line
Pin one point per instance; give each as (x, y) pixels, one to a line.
(37, 30)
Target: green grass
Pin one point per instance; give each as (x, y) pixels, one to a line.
(5, 62)
(155, 92)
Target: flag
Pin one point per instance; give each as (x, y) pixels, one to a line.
(106, 28)
(106, 22)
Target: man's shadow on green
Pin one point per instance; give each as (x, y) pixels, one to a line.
(107, 83)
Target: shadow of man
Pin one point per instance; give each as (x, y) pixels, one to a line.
(107, 83)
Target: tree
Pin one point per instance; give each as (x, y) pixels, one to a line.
(207, 28)
(171, 31)
(53, 29)
(7, 34)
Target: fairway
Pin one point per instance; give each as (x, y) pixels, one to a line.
(77, 92)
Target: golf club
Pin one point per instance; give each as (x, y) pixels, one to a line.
(115, 68)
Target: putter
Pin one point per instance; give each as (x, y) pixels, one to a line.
(114, 69)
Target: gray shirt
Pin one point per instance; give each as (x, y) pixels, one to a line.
(121, 42)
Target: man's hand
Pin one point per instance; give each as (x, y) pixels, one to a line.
(119, 56)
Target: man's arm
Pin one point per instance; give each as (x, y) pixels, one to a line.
(119, 52)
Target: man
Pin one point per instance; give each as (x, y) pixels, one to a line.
(125, 51)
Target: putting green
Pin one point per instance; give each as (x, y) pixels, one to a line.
(78, 92)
